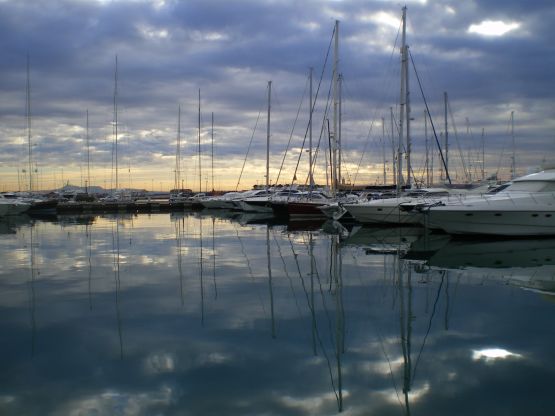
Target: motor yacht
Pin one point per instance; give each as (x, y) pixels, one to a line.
(526, 207)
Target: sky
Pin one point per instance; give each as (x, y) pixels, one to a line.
(493, 58)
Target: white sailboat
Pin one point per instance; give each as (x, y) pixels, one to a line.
(388, 210)
(391, 211)
(262, 203)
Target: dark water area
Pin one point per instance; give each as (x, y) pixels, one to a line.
(219, 314)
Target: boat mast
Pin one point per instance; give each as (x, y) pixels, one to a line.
(28, 117)
(483, 155)
(310, 174)
(333, 161)
(403, 107)
(446, 135)
(310, 167)
(383, 152)
(426, 141)
(212, 135)
(339, 92)
(116, 119)
(513, 158)
(393, 150)
(88, 157)
(268, 136)
(178, 151)
(199, 155)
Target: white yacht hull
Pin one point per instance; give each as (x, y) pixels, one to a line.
(215, 203)
(517, 222)
(13, 208)
(383, 211)
(256, 206)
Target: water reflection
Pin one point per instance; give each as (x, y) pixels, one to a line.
(205, 313)
(526, 263)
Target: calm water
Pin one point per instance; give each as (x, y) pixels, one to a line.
(196, 314)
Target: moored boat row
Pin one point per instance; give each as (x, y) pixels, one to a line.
(525, 207)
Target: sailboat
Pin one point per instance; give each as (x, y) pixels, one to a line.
(308, 206)
(118, 199)
(262, 203)
(389, 211)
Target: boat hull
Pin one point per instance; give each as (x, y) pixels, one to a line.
(385, 211)
(301, 210)
(260, 206)
(535, 222)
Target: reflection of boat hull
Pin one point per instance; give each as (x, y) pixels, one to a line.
(255, 218)
(526, 263)
(383, 240)
(495, 254)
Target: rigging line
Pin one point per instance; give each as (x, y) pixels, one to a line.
(429, 326)
(322, 130)
(251, 273)
(311, 307)
(248, 149)
(378, 331)
(502, 154)
(430, 117)
(314, 105)
(287, 273)
(466, 175)
(292, 130)
(344, 162)
(476, 153)
(375, 110)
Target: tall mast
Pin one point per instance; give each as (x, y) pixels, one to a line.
(403, 105)
(393, 149)
(310, 167)
(426, 141)
(116, 119)
(446, 135)
(199, 155)
(268, 136)
(88, 156)
(333, 161)
(383, 152)
(483, 155)
(408, 118)
(212, 134)
(178, 151)
(339, 116)
(513, 159)
(28, 117)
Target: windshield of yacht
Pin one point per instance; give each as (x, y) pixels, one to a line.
(532, 186)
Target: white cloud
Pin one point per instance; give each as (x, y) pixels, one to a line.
(492, 354)
(493, 27)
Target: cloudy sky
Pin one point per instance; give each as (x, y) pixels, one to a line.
(493, 58)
